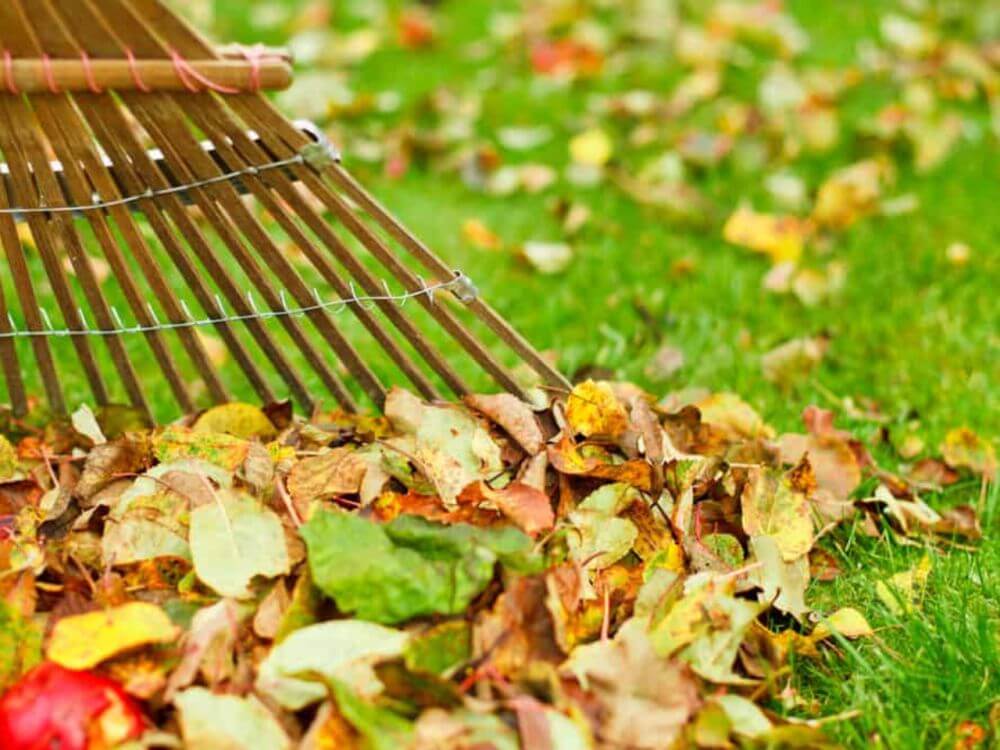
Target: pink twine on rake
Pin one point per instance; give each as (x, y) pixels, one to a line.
(191, 78)
(254, 55)
(8, 73)
(50, 80)
(88, 72)
(136, 78)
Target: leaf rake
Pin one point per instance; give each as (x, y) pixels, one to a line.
(143, 169)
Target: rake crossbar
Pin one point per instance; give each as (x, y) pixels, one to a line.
(45, 74)
(229, 236)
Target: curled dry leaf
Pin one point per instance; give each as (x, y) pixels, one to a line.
(516, 417)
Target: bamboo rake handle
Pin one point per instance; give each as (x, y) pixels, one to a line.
(33, 76)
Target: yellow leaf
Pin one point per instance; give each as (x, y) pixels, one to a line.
(781, 238)
(179, 443)
(239, 420)
(593, 409)
(477, 234)
(734, 415)
(772, 506)
(8, 460)
(850, 194)
(903, 590)
(84, 641)
(592, 148)
(846, 621)
(964, 449)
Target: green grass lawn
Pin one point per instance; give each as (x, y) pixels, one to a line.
(911, 332)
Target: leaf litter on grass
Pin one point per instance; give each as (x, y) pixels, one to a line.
(606, 571)
(599, 571)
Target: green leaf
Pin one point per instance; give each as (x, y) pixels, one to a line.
(782, 583)
(380, 728)
(212, 722)
(341, 649)
(20, 645)
(235, 539)
(409, 567)
(440, 648)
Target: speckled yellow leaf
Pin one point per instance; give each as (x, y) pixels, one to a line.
(84, 641)
(179, 443)
(593, 409)
(773, 507)
(239, 420)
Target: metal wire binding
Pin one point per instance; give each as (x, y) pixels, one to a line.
(306, 156)
(460, 286)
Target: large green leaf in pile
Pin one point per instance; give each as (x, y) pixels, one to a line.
(409, 567)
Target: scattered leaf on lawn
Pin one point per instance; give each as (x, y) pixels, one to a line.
(547, 257)
(964, 449)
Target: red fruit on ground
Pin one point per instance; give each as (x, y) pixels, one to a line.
(56, 707)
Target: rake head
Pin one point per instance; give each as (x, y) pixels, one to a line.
(172, 214)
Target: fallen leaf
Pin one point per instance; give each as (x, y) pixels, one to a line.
(514, 416)
(592, 148)
(234, 540)
(646, 699)
(793, 360)
(408, 567)
(339, 471)
(964, 449)
(902, 592)
(734, 416)
(547, 257)
(239, 420)
(210, 722)
(85, 422)
(846, 621)
(477, 234)
(84, 641)
(593, 410)
(526, 506)
(448, 445)
(773, 507)
(345, 650)
(781, 238)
